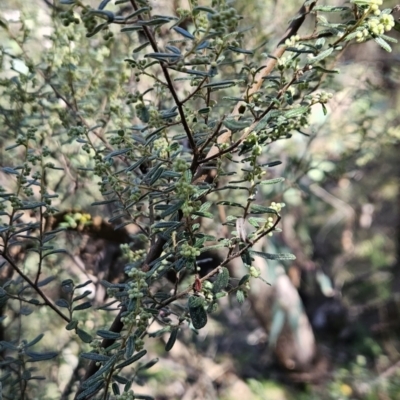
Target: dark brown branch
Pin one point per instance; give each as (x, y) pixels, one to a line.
(117, 325)
(171, 87)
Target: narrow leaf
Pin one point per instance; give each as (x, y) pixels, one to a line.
(183, 32)
(172, 339)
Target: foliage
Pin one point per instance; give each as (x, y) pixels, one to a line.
(172, 117)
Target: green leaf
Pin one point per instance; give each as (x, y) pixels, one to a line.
(221, 83)
(115, 389)
(135, 13)
(57, 251)
(183, 32)
(90, 390)
(396, 26)
(31, 206)
(255, 221)
(209, 10)
(230, 203)
(34, 341)
(4, 25)
(322, 55)
(95, 357)
(132, 28)
(108, 334)
(166, 224)
(257, 209)
(246, 257)
(278, 256)
(202, 214)
(295, 112)
(385, 45)
(325, 8)
(271, 164)
(163, 57)
(62, 303)
(46, 281)
(41, 356)
(104, 202)
(9, 170)
(172, 339)
(120, 379)
(222, 280)
(98, 374)
(240, 296)
(326, 71)
(84, 336)
(83, 306)
(234, 125)
(272, 181)
(67, 285)
(108, 15)
(240, 51)
(131, 360)
(72, 325)
(155, 21)
(172, 208)
(214, 247)
(97, 29)
(197, 312)
(83, 284)
(81, 296)
(148, 365)
(130, 347)
(244, 279)
(141, 47)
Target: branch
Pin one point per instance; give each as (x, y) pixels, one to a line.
(171, 87)
(117, 325)
(293, 28)
(35, 287)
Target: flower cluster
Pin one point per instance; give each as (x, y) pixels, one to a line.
(292, 40)
(161, 147)
(180, 165)
(254, 272)
(130, 255)
(225, 19)
(374, 5)
(277, 206)
(376, 26)
(126, 396)
(322, 97)
(68, 17)
(269, 223)
(189, 251)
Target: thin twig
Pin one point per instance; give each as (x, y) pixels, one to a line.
(293, 28)
(35, 287)
(171, 87)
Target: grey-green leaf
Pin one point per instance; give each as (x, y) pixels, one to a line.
(197, 312)
(222, 280)
(278, 256)
(172, 339)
